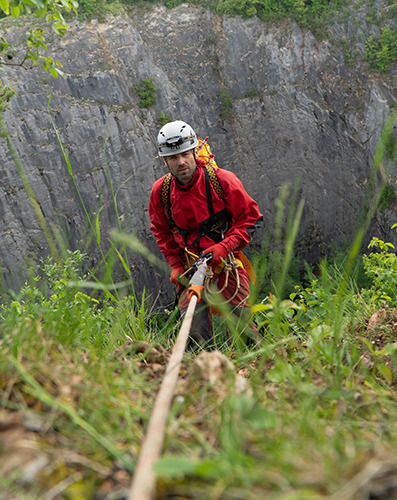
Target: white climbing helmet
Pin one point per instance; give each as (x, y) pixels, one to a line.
(176, 137)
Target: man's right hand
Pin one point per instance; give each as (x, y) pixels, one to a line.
(175, 273)
(218, 252)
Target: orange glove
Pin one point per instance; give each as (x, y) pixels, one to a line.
(175, 273)
(218, 252)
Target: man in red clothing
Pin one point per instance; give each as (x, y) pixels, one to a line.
(204, 212)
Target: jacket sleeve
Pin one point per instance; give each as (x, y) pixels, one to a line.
(246, 216)
(161, 228)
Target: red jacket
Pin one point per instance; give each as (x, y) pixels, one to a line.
(189, 207)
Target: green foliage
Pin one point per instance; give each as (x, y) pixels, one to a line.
(6, 94)
(172, 3)
(307, 14)
(318, 392)
(381, 266)
(89, 9)
(56, 298)
(390, 144)
(163, 119)
(316, 403)
(336, 262)
(243, 7)
(381, 51)
(226, 103)
(146, 91)
(270, 266)
(60, 299)
(387, 198)
(251, 93)
(139, 2)
(51, 11)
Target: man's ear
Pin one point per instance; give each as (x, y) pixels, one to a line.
(165, 162)
(196, 153)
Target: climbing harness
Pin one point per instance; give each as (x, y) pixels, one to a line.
(216, 225)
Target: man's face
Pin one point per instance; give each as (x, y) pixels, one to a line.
(182, 165)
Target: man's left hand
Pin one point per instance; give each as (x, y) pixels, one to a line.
(218, 252)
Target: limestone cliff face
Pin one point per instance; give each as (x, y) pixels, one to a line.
(300, 111)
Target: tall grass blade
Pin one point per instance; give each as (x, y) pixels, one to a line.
(28, 188)
(94, 230)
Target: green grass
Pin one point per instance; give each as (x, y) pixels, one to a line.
(318, 406)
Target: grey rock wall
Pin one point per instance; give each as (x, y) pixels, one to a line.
(299, 115)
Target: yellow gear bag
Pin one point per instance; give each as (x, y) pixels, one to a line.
(204, 152)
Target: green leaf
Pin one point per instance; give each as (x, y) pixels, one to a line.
(126, 267)
(214, 469)
(368, 344)
(40, 13)
(261, 419)
(4, 6)
(388, 350)
(281, 372)
(38, 3)
(320, 332)
(303, 495)
(15, 11)
(261, 307)
(386, 373)
(97, 227)
(174, 466)
(66, 4)
(3, 44)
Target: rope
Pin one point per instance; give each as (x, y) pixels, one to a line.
(144, 480)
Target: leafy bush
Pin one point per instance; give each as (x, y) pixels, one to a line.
(146, 91)
(6, 94)
(381, 266)
(387, 198)
(381, 51)
(163, 119)
(307, 14)
(56, 300)
(89, 9)
(226, 102)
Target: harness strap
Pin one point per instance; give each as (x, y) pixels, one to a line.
(215, 222)
(210, 172)
(208, 193)
(165, 189)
